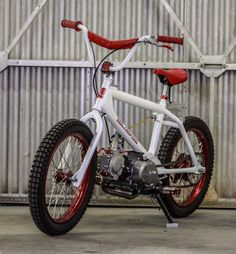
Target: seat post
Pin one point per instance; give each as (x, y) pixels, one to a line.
(164, 96)
(165, 89)
(166, 92)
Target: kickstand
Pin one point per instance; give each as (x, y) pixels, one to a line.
(157, 199)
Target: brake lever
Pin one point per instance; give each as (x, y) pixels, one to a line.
(167, 47)
(154, 43)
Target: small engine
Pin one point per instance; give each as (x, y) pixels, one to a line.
(111, 164)
(130, 166)
(143, 172)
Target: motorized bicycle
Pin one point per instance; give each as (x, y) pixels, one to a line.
(68, 162)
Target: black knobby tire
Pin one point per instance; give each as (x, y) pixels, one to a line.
(166, 152)
(46, 208)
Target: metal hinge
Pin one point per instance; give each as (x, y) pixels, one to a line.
(213, 66)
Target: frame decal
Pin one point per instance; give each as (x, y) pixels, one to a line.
(127, 130)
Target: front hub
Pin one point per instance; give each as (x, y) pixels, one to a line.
(61, 176)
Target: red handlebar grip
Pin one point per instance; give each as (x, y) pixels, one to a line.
(169, 39)
(71, 24)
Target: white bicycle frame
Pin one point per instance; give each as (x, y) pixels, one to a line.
(104, 104)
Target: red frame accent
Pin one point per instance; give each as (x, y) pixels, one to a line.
(101, 92)
(165, 97)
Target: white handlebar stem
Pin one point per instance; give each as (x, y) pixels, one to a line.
(90, 52)
(126, 60)
(146, 38)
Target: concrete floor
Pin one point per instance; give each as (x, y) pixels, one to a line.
(122, 230)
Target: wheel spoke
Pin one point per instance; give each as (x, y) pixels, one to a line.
(62, 156)
(62, 203)
(60, 193)
(186, 192)
(56, 201)
(51, 194)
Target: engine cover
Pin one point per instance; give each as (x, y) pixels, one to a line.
(144, 172)
(116, 164)
(111, 164)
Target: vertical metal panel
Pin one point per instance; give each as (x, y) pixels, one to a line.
(226, 135)
(32, 99)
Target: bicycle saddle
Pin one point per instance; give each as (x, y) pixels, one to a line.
(174, 76)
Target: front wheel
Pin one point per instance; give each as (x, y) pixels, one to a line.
(55, 204)
(173, 151)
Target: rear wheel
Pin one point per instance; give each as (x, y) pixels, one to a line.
(192, 187)
(55, 204)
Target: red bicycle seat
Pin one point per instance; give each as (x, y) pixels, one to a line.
(174, 76)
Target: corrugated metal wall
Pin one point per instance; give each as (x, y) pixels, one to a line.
(32, 99)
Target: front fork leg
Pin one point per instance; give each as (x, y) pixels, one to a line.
(80, 173)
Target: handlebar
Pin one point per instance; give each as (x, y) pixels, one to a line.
(71, 24)
(111, 44)
(118, 44)
(170, 39)
(99, 40)
(115, 44)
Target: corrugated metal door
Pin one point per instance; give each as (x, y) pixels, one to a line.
(32, 99)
